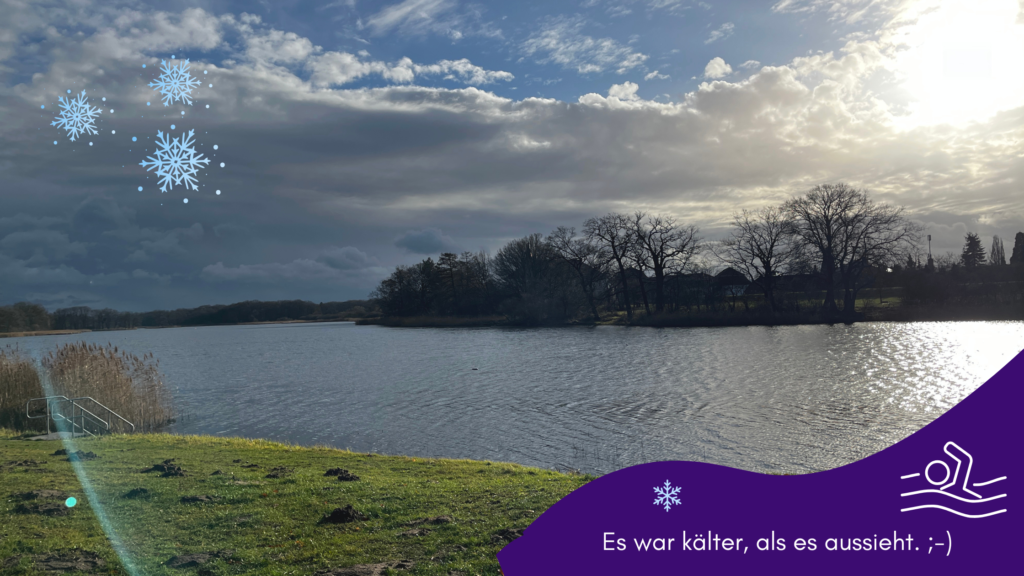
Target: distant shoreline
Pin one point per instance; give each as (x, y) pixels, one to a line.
(40, 333)
(67, 332)
(978, 314)
(664, 321)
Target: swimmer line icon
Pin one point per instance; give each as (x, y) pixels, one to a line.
(952, 489)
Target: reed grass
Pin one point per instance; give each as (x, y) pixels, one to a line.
(130, 385)
(19, 381)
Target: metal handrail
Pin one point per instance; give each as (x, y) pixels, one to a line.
(50, 400)
(109, 411)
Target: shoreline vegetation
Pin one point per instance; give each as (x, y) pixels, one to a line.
(894, 314)
(830, 256)
(208, 505)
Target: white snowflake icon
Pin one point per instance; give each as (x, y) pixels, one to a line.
(666, 495)
(176, 161)
(76, 116)
(175, 83)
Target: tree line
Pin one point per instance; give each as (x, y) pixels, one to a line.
(28, 317)
(825, 247)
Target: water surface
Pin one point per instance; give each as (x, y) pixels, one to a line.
(793, 399)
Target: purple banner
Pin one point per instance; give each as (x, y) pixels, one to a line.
(939, 502)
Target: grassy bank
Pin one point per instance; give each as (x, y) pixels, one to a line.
(447, 516)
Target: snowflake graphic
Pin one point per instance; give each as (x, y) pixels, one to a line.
(176, 161)
(666, 495)
(76, 116)
(175, 83)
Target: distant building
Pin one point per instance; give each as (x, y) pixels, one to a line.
(731, 282)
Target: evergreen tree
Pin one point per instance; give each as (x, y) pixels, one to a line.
(973, 253)
(997, 256)
(1017, 257)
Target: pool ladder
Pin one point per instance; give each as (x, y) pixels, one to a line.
(80, 420)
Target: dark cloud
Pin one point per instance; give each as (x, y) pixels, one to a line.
(426, 241)
(346, 258)
(40, 246)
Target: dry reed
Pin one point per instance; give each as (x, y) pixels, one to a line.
(127, 384)
(19, 381)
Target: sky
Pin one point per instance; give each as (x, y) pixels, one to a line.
(353, 136)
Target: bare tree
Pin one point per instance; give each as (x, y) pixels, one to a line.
(761, 246)
(850, 233)
(522, 263)
(588, 259)
(877, 235)
(664, 246)
(614, 233)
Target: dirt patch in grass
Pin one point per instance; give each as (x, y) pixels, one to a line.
(436, 520)
(368, 569)
(24, 464)
(507, 534)
(196, 560)
(342, 474)
(43, 509)
(43, 502)
(167, 469)
(199, 499)
(342, 516)
(42, 495)
(58, 563)
(81, 456)
(136, 493)
(279, 472)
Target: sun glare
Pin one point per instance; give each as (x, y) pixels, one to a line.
(964, 62)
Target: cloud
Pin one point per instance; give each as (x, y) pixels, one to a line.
(750, 64)
(279, 47)
(847, 11)
(561, 41)
(313, 165)
(464, 71)
(414, 16)
(41, 246)
(302, 269)
(717, 68)
(624, 91)
(345, 266)
(418, 17)
(723, 31)
(338, 68)
(654, 75)
(426, 241)
(346, 258)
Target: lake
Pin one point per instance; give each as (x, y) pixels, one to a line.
(595, 399)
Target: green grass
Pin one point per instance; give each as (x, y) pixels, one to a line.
(272, 524)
